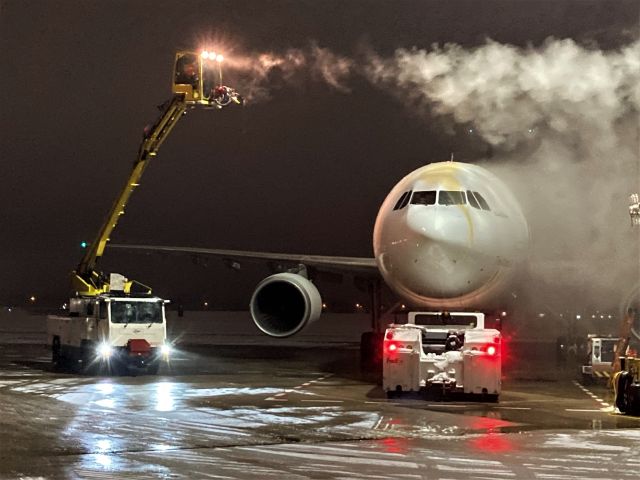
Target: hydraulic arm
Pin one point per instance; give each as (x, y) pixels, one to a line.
(189, 90)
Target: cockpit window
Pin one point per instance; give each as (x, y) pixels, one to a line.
(483, 203)
(472, 200)
(403, 201)
(424, 198)
(400, 200)
(450, 197)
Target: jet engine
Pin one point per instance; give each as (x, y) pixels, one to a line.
(284, 303)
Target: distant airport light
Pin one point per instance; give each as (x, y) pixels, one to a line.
(206, 304)
(578, 317)
(32, 298)
(324, 305)
(84, 244)
(541, 315)
(609, 316)
(503, 314)
(403, 306)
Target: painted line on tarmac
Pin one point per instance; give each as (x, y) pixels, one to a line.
(323, 401)
(592, 395)
(280, 396)
(583, 410)
(514, 408)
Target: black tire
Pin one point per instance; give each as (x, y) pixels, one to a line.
(490, 397)
(633, 398)
(153, 367)
(56, 357)
(622, 394)
(89, 365)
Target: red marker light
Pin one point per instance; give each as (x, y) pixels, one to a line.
(491, 350)
(392, 347)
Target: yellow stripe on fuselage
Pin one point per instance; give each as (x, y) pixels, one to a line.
(445, 177)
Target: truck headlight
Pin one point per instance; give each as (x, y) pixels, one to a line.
(105, 350)
(166, 350)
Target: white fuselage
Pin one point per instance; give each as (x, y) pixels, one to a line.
(454, 240)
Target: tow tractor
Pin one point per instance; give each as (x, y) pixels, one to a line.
(112, 321)
(446, 352)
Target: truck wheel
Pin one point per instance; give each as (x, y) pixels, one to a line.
(152, 368)
(633, 398)
(622, 385)
(55, 351)
(89, 366)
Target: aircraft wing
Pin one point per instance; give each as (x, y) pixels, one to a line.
(233, 258)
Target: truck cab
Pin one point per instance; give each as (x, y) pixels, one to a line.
(113, 332)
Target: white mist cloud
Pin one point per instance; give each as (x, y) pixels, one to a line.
(505, 91)
(257, 70)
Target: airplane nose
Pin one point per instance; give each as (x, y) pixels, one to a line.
(453, 226)
(443, 269)
(438, 257)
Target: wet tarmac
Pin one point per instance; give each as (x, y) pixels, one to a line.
(296, 413)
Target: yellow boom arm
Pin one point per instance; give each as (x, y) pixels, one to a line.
(86, 280)
(193, 84)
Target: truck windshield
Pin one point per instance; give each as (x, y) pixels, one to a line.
(136, 312)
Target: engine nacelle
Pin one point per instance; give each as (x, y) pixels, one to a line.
(284, 303)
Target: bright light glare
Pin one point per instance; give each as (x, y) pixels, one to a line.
(205, 54)
(165, 349)
(105, 350)
(106, 388)
(164, 397)
(219, 58)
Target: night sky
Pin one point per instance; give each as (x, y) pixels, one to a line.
(303, 170)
